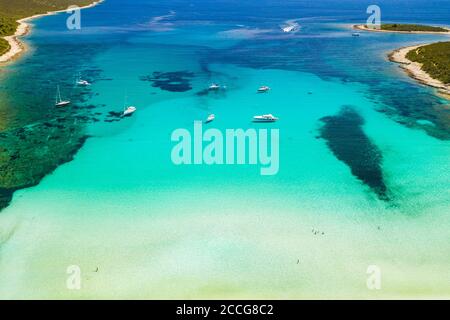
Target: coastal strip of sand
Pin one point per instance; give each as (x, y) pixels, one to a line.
(414, 70)
(365, 28)
(16, 46)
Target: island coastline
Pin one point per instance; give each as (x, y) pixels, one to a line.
(17, 47)
(364, 27)
(414, 70)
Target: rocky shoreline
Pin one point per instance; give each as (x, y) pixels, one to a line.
(414, 70)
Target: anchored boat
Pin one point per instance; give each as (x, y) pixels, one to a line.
(263, 89)
(59, 102)
(265, 118)
(82, 82)
(214, 87)
(210, 118)
(128, 111)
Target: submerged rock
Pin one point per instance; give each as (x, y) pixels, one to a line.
(178, 81)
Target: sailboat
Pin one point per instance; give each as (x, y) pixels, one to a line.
(128, 111)
(59, 102)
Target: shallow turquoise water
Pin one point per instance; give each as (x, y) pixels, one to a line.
(158, 230)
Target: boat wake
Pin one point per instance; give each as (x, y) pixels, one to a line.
(160, 23)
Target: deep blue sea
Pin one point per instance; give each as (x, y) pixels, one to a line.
(364, 155)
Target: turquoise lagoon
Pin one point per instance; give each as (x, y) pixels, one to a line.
(140, 227)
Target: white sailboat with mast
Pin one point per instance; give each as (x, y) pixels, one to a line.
(128, 110)
(59, 102)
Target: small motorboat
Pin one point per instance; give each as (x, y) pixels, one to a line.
(84, 83)
(356, 34)
(214, 87)
(210, 118)
(59, 102)
(291, 26)
(288, 29)
(265, 118)
(128, 111)
(263, 89)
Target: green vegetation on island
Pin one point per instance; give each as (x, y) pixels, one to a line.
(11, 11)
(7, 27)
(411, 28)
(435, 59)
(4, 46)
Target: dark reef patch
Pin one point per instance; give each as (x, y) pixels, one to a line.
(348, 142)
(17, 175)
(36, 137)
(178, 81)
(5, 197)
(409, 105)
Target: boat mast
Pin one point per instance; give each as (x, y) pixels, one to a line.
(58, 95)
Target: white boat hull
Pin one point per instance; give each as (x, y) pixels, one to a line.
(129, 111)
(210, 119)
(265, 118)
(62, 104)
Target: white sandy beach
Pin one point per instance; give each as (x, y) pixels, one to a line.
(414, 69)
(18, 47)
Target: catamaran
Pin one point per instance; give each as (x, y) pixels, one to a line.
(263, 89)
(59, 102)
(210, 118)
(265, 118)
